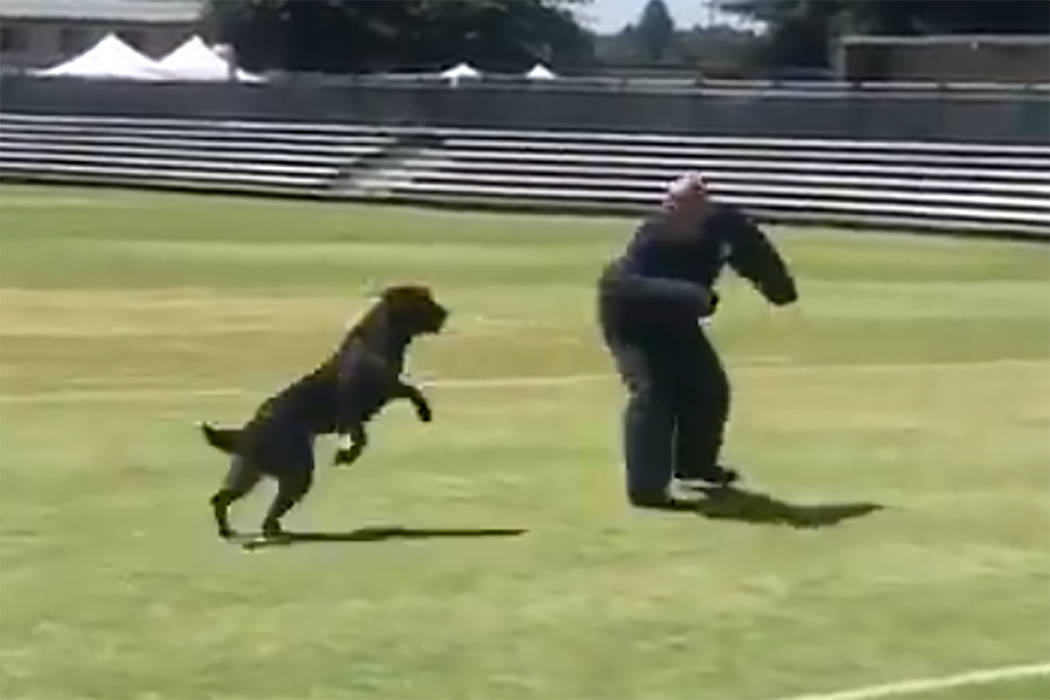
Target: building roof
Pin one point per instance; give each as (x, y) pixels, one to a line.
(932, 39)
(161, 11)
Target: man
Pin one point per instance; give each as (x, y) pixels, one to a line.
(652, 300)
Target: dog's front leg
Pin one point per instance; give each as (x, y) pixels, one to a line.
(407, 391)
(351, 445)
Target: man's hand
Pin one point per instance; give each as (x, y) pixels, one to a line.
(704, 318)
(672, 294)
(712, 303)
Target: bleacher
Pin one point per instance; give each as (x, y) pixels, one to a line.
(234, 156)
(921, 185)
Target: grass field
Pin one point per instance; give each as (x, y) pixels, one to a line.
(915, 375)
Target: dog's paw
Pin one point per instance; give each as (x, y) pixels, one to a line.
(343, 457)
(425, 414)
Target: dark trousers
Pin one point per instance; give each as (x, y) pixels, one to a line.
(677, 404)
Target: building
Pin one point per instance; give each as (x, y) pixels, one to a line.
(946, 58)
(38, 33)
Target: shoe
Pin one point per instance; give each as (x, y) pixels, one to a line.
(717, 476)
(662, 503)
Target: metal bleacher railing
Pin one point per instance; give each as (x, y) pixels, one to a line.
(920, 185)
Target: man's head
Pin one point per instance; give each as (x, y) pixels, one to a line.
(685, 203)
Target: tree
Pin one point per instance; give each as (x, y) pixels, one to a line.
(345, 35)
(800, 31)
(931, 17)
(655, 29)
(717, 51)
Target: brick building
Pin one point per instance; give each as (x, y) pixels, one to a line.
(946, 58)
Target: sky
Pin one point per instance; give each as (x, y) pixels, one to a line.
(610, 16)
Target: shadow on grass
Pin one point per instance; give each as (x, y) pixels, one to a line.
(376, 534)
(730, 503)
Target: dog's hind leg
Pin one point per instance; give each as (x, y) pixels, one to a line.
(290, 490)
(241, 478)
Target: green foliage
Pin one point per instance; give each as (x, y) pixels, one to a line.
(361, 35)
(655, 29)
(934, 17)
(800, 30)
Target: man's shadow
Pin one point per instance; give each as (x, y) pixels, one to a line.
(730, 503)
(376, 534)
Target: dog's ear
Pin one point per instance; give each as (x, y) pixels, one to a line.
(407, 294)
(394, 294)
(423, 292)
(373, 290)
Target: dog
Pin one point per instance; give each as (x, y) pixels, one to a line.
(340, 396)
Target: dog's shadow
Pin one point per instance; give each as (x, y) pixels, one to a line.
(376, 534)
(721, 503)
(730, 503)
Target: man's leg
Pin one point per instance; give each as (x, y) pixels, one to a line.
(701, 407)
(648, 424)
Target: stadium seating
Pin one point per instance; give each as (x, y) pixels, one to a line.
(929, 185)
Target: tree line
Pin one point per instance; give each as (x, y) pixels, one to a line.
(510, 35)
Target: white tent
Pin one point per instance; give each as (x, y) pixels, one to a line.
(109, 58)
(540, 72)
(193, 60)
(460, 71)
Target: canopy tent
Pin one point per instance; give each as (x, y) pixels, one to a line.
(460, 71)
(109, 58)
(540, 72)
(193, 60)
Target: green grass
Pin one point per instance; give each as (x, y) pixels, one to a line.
(1009, 689)
(914, 374)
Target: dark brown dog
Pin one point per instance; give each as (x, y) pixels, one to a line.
(340, 396)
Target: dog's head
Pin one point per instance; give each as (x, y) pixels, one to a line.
(414, 309)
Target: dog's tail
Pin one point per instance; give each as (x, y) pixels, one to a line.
(224, 439)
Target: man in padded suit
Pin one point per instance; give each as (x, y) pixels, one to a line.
(652, 301)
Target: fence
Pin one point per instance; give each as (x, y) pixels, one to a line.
(922, 185)
(862, 112)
